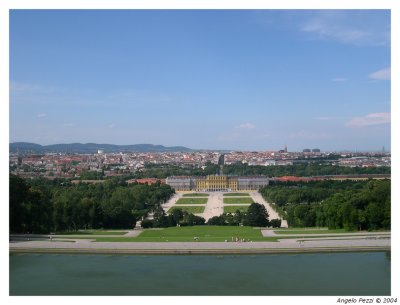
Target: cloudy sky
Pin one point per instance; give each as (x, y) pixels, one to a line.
(245, 80)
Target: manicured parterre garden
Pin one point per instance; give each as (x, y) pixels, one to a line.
(189, 209)
(236, 195)
(195, 195)
(238, 200)
(192, 201)
(233, 209)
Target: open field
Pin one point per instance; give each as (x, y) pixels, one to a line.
(236, 194)
(192, 201)
(195, 195)
(93, 232)
(238, 200)
(189, 209)
(211, 238)
(233, 209)
(187, 234)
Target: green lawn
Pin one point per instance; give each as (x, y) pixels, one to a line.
(189, 209)
(233, 209)
(186, 234)
(93, 232)
(192, 201)
(236, 194)
(238, 200)
(195, 195)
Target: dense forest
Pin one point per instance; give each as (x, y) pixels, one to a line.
(352, 205)
(43, 206)
(301, 169)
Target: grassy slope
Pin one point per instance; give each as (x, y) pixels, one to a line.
(186, 234)
(93, 232)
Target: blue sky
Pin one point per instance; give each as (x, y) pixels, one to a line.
(211, 79)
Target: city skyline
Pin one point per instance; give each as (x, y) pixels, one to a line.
(240, 80)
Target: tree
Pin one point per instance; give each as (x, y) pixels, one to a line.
(177, 215)
(256, 216)
(275, 223)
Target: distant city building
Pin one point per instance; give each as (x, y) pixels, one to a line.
(306, 150)
(283, 151)
(217, 183)
(316, 150)
(100, 151)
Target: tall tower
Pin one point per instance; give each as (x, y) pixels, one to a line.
(285, 148)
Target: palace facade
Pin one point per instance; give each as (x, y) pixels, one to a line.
(217, 183)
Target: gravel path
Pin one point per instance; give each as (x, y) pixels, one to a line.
(214, 207)
(171, 202)
(272, 213)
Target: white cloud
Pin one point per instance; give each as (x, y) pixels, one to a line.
(360, 28)
(247, 126)
(18, 87)
(383, 74)
(370, 120)
(41, 115)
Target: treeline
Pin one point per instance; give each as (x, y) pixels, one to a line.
(43, 206)
(177, 217)
(361, 205)
(301, 169)
(166, 170)
(255, 216)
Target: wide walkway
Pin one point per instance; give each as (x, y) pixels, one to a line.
(215, 206)
(272, 213)
(285, 245)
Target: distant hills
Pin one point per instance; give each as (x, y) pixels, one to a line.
(25, 147)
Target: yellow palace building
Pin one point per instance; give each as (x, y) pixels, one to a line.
(217, 183)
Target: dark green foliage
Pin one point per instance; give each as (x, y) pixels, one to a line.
(178, 217)
(30, 208)
(147, 223)
(256, 216)
(306, 169)
(217, 220)
(42, 206)
(275, 223)
(227, 219)
(92, 175)
(190, 219)
(166, 170)
(345, 205)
